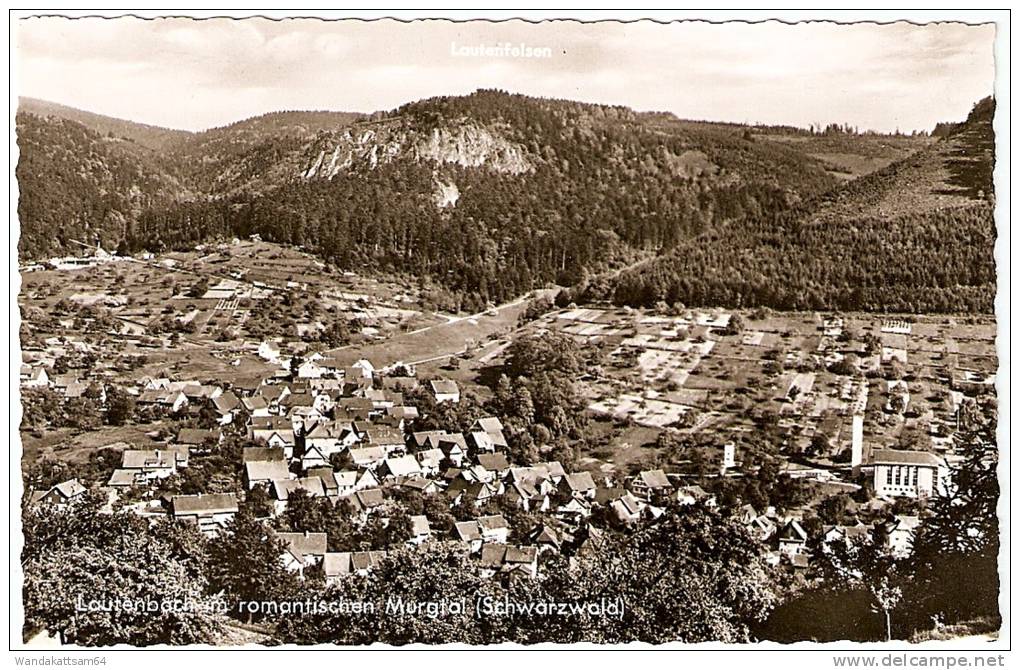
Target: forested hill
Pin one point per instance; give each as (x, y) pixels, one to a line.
(223, 160)
(78, 184)
(149, 137)
(493, 194)
(917, 236)
(88, 177)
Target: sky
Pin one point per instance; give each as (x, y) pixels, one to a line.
(190, 74)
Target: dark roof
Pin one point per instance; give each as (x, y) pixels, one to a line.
(468, 530)
(580, 481)
(655, 479)
(226, 402)
(196, 435)
(492, 555)
(492, 522)
(252, 454)
(208, 503)
(369, 498)
(494, 461)
(303, 544)
(899, 457)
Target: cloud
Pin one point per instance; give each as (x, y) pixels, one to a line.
(197, 74)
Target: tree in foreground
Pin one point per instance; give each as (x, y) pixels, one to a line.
(692, 576)
(99, 579)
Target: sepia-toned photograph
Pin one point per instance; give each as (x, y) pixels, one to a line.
(423, 331)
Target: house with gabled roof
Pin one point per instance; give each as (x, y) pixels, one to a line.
(251, 454)
(574, 509)
(196, 392)
(475, 493)
(284, 440)
(350, 481)
(264, 473)
(476, 473)
(199, 439)
(420, 484)
(60, 495)
(33, 377)
(332, 436)
(497, 558)
(490, 559)
(226, 405)
(365, 502)
(545, 537)
(151, 464)
(527, 496)
(211, 512)
(421, 530)
(469, 533)
(538, 477)
(792, 539)
(363, 562)
(261, 427)
(480, 442)
(283, 488)
(390, 439)
(552, 470)
(328, 477)
(336, 566)
(310, 369)
(493, 528)
(627, 508)
(304, 550)
(488, 424)
(649, 483)
(578, 484)
(445, 390)
(429, 460)
(255, 405)
(425, 439)
(495, 462)
(313, 457)
(367, 457)
(521, 559)
(403, 466)
(168, 400)
(454, 447)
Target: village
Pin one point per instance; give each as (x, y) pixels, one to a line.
(189, 385)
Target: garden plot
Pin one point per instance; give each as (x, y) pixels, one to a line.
(663, 366)
(641, 410)
(591, 330)
(685, 345)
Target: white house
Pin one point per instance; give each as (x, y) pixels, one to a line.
(445, 390)
(34, 377)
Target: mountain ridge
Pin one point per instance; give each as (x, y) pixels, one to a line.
(916, 236)
(490, 194)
